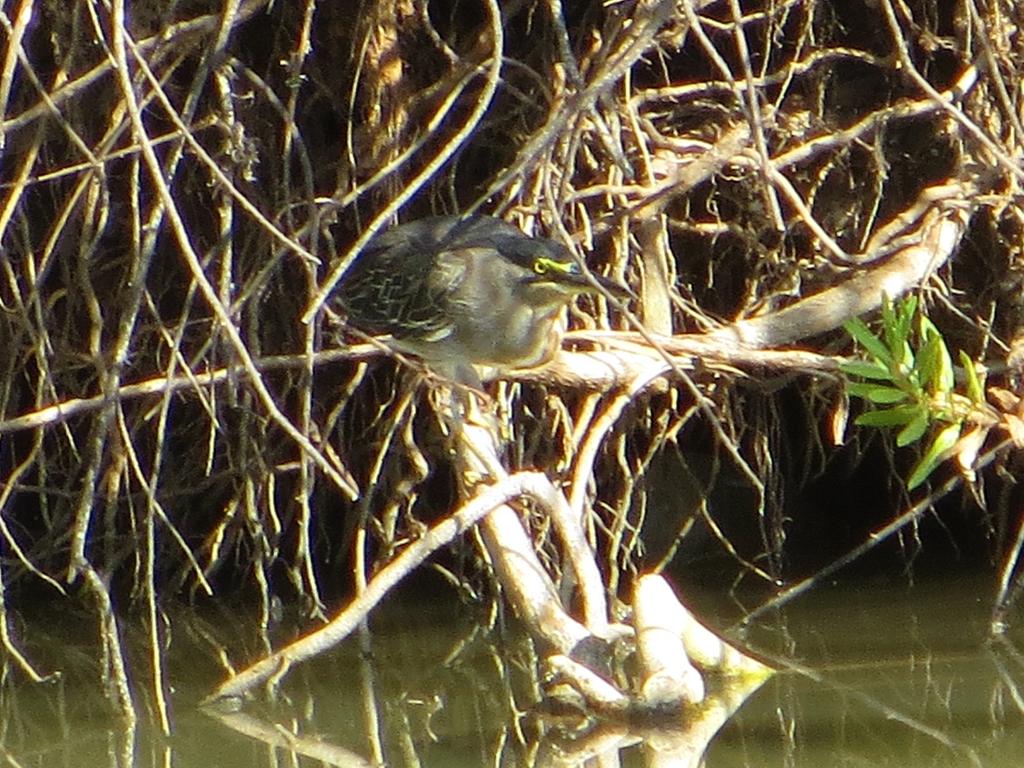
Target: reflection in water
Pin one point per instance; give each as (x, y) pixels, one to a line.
(887, 676)
(881, 677)
(679, 744)
(273, 735)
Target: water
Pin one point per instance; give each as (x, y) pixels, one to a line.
(891, 676)
(877, 675)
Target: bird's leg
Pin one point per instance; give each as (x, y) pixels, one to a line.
(473, 417)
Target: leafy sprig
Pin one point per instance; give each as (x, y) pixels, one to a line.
(907, 374)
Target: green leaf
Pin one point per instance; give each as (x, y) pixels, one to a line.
(876, 393)
(942, 443)
(885, 395)
(926, 326)
(889, 321)
(891, 417)
(975, 389)
(927, 361)
(865, 369)
(906, 320)
(859, 388)
(905, 357)
(859, 331)
(897, 321)
(941, 379)
(913, 431)
(945, 378)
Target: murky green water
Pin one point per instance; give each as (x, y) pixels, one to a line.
(883, 676)
(891, 676)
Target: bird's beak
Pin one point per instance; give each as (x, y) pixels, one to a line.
(617, 291)
(576, 282)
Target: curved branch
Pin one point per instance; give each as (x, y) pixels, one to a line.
(529, 484)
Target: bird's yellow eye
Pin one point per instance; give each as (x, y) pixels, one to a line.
(543, 265)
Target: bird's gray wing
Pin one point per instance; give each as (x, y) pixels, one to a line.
(400, 285)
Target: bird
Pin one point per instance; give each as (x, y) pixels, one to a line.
(465, 293)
